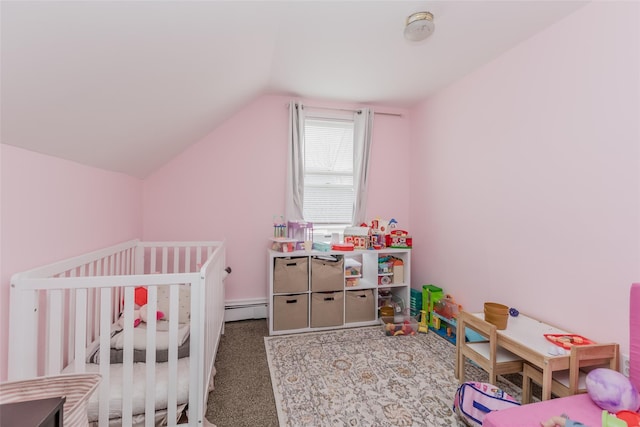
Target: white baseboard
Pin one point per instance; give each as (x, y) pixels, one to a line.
(245, 309)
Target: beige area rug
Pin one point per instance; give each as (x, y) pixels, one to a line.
(360, 377)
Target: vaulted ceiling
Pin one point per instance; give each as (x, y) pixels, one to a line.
(127, 85)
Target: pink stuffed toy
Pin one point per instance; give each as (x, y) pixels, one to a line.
(144, 314)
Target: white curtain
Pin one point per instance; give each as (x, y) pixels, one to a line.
(295, 163)
(363, 125)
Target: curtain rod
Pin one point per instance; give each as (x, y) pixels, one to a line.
(349, 110)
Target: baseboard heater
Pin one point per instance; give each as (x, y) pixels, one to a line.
(245, 309)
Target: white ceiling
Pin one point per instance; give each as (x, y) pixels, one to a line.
(127, 85)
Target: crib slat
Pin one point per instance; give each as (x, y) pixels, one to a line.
(196, 368)
(80, 329)
(105, 365)
(152, 265)
(198, 256)
(172, 379)
(94, 290)
(127, 359)
(164, 259)
(53, 352)
(69, 321)
(150, 362)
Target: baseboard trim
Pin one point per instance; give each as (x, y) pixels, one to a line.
(255, 308)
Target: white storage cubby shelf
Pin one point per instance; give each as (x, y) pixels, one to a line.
(312, 291)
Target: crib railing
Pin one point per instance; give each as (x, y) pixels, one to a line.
(59, 309)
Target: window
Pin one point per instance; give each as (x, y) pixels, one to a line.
(328, 166)
(328, 171)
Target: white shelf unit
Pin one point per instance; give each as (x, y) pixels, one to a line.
(300, 304)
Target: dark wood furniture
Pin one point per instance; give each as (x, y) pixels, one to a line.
(33, 413)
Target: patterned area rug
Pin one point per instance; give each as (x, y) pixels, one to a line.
(360, 377)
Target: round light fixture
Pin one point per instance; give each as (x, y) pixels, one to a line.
(419, 26)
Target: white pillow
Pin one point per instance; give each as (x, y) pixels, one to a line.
(184, 303)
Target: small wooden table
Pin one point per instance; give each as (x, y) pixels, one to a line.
(524, 336)
(33, 413)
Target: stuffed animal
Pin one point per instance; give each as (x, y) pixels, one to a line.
(144, 315)
(136, 319)
(140, 315)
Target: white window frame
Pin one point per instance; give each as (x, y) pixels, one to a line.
(332, 169)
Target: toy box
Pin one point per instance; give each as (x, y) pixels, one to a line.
(300, 230)
(399, 325)
(398, 271)
(350, 282)
(284, 244)
(352, 268)
(399, 239)
(359, 236)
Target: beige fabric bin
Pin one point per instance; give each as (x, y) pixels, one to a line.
(290, 312)
(327, 309)
(77, 388)
(327, 274)
(360, 306)
(290, 275)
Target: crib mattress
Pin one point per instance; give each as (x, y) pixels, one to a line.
(139, 390)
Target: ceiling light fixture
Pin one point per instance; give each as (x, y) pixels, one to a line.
(419, 26)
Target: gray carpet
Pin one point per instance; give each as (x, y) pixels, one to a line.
(243, 395)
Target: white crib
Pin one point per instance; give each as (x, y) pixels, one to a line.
(59, 312)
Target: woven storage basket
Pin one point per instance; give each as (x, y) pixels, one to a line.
(77, 389)
(495, 313)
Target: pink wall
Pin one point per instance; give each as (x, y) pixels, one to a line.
(231, 183)
(526, 176)
(53, 209)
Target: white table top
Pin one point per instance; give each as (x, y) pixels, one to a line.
(529, 332)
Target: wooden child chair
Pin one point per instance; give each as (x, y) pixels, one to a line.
(486, 354)
(572, 380)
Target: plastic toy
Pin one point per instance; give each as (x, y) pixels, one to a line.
(631, 418)
(560, 421)
(399, 239)
(140, 296)
(621, 419)
(567, 341)
(279, 227)
(422, 327)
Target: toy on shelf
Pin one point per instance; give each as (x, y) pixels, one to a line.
(358, 236)
(446, 307)
(279, 227)
(399, 239)
(301, 231)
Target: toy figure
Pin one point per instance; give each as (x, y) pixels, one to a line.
(562, 421)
